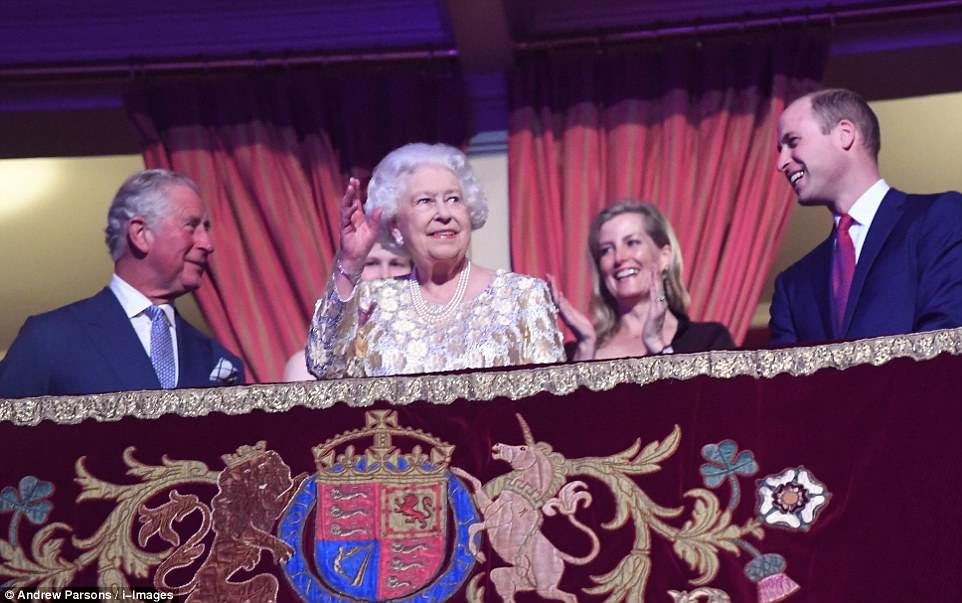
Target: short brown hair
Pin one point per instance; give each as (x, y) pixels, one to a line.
(835, 104)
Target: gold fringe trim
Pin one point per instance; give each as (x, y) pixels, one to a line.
(483, 385)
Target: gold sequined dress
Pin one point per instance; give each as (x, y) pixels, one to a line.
(378, 331)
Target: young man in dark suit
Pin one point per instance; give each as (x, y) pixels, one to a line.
(129, 336)
(893, 262)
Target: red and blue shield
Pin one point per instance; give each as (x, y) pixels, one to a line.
(380, 529)
(381, 540)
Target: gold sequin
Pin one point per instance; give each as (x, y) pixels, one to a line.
(511, 322)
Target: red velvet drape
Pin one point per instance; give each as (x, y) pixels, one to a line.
(689, 127)
(270, 153)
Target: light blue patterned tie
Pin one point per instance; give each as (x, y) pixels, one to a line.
(161, 348)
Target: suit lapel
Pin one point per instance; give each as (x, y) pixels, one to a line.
(821, 286)
(114, 338)
(884, 221)
(191, 360)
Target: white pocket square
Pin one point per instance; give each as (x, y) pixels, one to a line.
(224, 372)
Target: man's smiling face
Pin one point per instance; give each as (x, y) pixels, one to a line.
(812, 160)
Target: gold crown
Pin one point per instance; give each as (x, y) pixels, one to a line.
(245, 453)
(382, 459)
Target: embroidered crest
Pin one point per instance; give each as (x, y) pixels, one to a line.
(388, 520)
(381, 518)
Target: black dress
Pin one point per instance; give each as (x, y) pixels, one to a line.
(690, 337)
(700, 336)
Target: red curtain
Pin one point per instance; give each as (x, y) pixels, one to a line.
(689, 127)
(270, 153)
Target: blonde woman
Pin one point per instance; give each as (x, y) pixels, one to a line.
(639, 304)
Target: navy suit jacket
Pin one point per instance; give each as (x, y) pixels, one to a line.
(908, 277)
(90, 347)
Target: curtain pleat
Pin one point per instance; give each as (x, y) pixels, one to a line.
(687, 126)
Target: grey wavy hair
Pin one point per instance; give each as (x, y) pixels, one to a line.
(604, 307)
(142, 194)
(388, 185)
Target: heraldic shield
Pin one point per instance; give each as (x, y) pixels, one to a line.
(381, 515)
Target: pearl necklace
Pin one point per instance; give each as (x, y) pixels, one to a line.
(435, 315)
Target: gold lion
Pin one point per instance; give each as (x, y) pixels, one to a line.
(253, 491)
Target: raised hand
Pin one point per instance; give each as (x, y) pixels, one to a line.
(652, 333)
(580, 325)
(358, 232)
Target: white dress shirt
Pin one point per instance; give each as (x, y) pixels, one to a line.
(135, 306)
(863, 212)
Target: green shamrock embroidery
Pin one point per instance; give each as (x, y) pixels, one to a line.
(725, 462)
(29, 502)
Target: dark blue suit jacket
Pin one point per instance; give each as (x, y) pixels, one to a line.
(908, 277)
(90, 347)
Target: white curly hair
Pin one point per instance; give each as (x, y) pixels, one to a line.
(388, 184)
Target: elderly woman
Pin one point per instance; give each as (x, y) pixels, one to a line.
(449, 314)
(639, 303)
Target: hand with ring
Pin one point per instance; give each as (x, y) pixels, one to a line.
(579, 324)
(358, 234)
(657, 309)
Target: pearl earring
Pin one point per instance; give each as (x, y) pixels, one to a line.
(398, 237)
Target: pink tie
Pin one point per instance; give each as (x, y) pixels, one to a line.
(843, 268)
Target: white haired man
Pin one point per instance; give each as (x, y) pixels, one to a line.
(129, 336)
